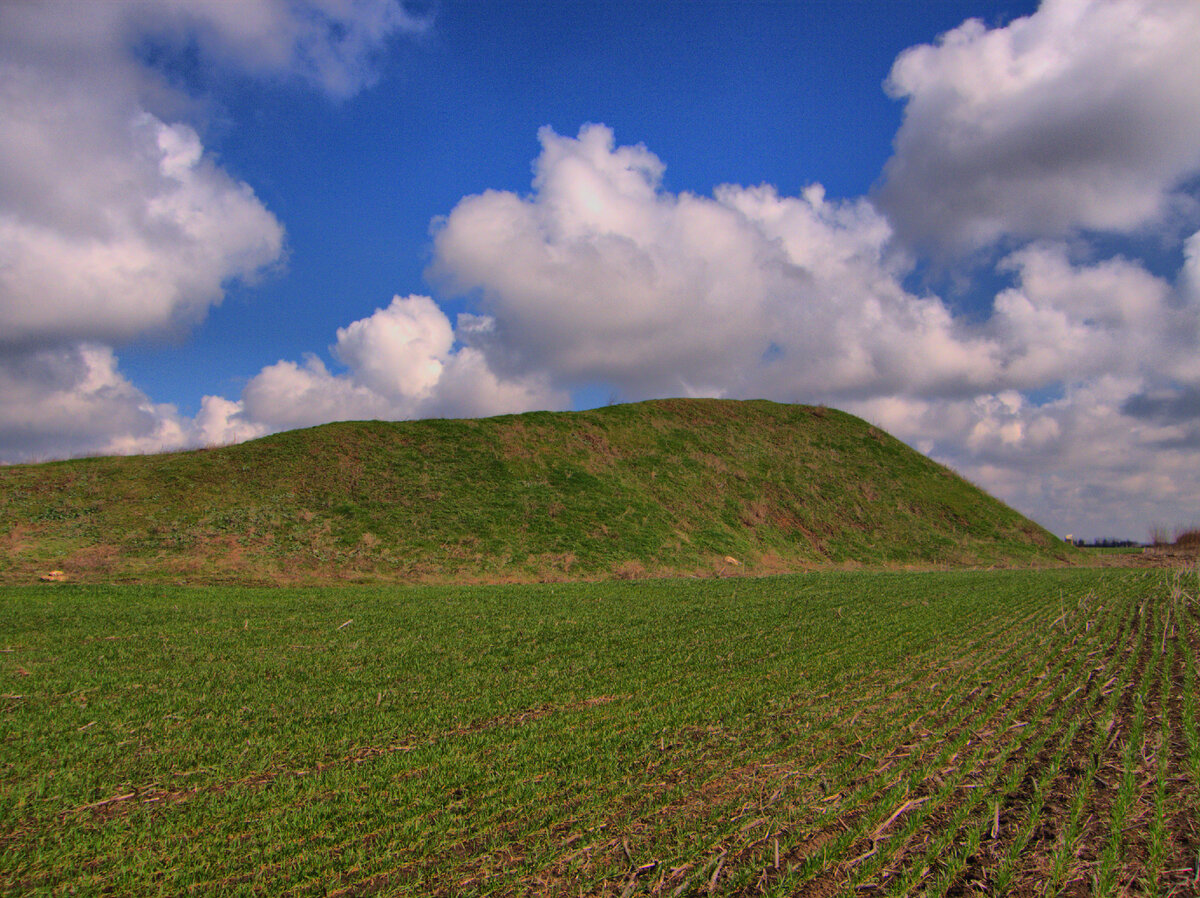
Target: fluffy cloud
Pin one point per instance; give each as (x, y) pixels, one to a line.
(601, 276)
(1063, 322)
(402, 362)
(115, 222)
(142, 243)
(1084, 115)
(334, 44)
(69, 400)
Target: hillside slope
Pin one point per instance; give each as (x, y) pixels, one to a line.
(652, 488)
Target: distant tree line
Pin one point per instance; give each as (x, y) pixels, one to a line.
(1108, 543)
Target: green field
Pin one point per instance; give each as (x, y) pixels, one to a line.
(1016, 732)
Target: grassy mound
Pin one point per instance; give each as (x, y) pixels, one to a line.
(655, 488)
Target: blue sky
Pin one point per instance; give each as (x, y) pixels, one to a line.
(781, 93)
(974, 223)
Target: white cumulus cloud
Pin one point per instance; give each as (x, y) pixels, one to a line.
(144, 244)
(115, 221)
(601, 276)
(1065, 322)
(1084, 115)
(72, 400)
(336, 45)
(401, 362)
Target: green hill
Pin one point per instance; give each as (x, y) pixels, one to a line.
(655, 488)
